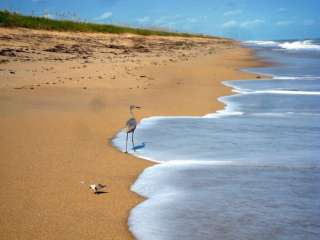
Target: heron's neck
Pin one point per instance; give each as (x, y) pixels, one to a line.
(131, 113)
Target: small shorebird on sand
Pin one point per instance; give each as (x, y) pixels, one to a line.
(96, 188)
(131, 125)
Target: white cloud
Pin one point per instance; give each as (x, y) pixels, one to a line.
(192, 20)
(233, 12)
(173, 18)
(251, 23)
(308, 22)
(144, 19)
(245, 24)
(103, 16)
(281, 10)
(230, 24)
(284, 23)
(170, 21)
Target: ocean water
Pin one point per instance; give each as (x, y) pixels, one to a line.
(249, 171)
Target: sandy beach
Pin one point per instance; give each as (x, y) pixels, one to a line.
(63, 96)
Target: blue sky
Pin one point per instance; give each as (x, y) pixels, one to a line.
(239, 19)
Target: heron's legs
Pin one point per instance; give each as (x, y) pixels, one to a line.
(133, 141)
(127, 143)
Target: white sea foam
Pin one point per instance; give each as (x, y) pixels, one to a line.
(295, 78)
(223, 113)
(195, 162)
(285, 78)
(274, 91)
(263, 43)
(147, 121)
(296, 45)
(136, 154)
(181, 191)
(269, 114)
(299, 45)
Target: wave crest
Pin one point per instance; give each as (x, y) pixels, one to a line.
(263, 43)
(295, 45)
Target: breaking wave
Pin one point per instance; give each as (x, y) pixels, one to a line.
(288, 45)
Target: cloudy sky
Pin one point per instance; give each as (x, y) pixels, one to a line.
(240, 19)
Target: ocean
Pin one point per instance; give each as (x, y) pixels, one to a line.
(249, 171)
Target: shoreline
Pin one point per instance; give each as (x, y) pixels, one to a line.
(154, 162)
(178, 191)
(58, 118)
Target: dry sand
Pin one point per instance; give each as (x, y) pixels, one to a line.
(62, 98)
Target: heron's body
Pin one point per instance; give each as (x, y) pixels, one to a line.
(131, 126)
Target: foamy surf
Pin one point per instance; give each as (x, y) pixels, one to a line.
(300, 45)
(166, 139)
(263, 43)
(287, 45)
(296, 78)
(242, 172)
(278, 92)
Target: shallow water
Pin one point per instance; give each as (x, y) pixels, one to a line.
(201, 201)
(250, 171)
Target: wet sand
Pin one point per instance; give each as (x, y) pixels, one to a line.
(62, 98)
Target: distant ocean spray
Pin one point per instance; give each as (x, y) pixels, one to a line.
(250, 171)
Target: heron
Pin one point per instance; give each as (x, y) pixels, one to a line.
(131, 126)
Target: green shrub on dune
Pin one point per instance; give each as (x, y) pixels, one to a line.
(8, 19)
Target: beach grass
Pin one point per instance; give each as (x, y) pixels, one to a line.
(10, 19)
